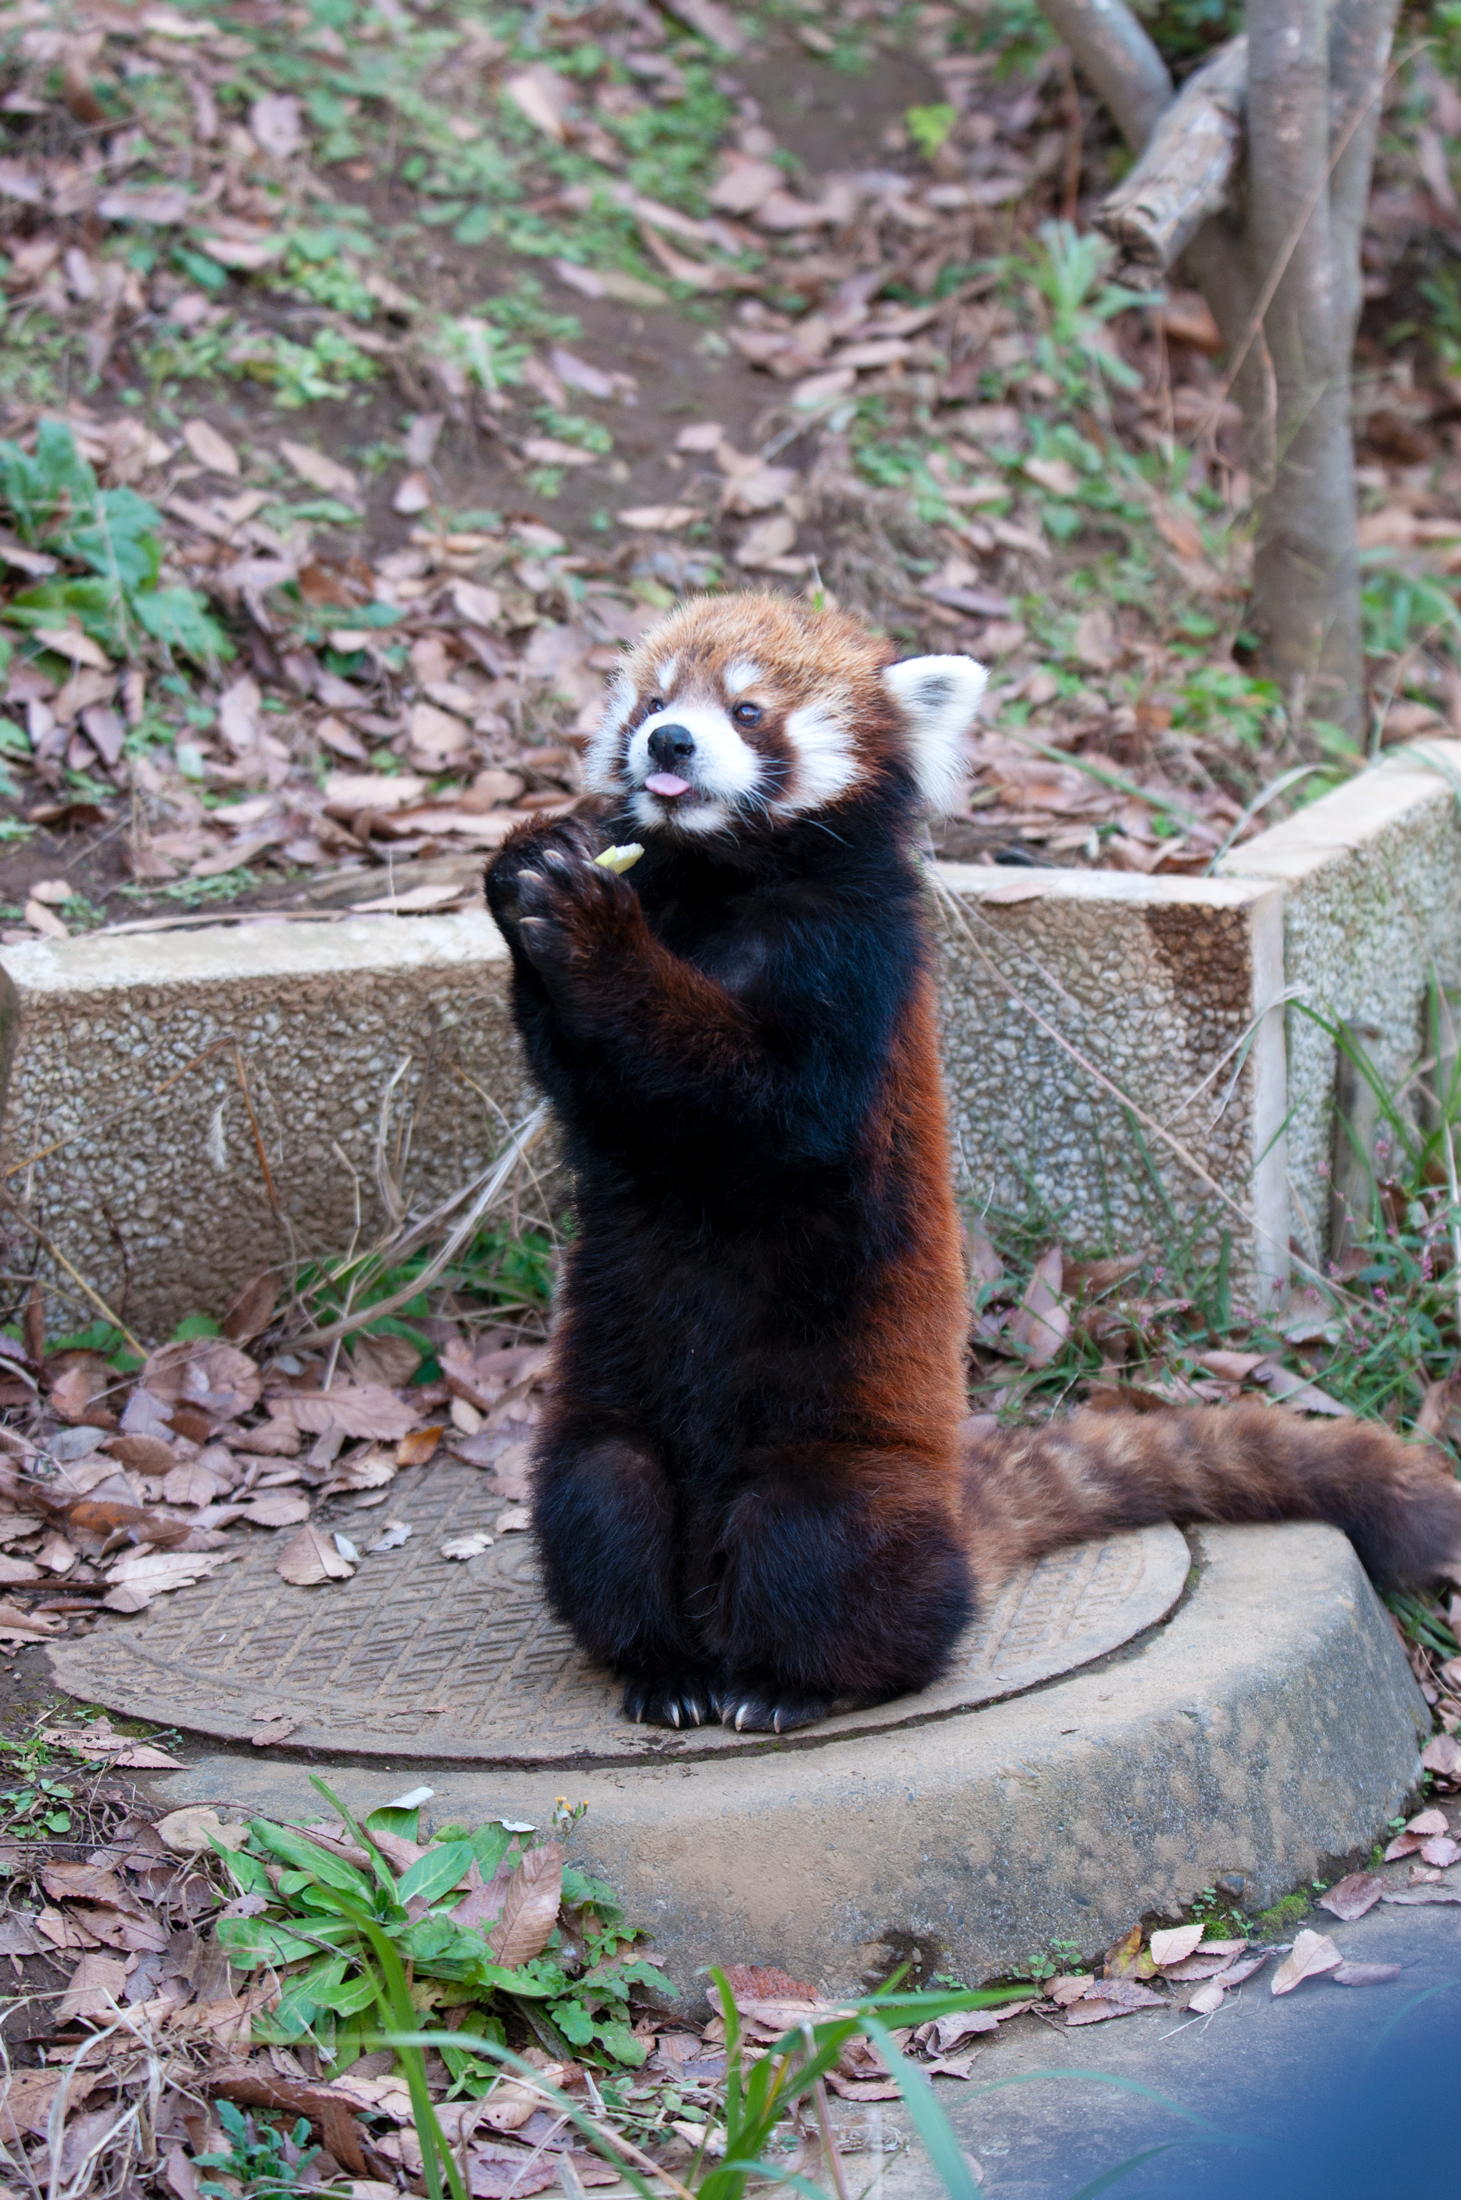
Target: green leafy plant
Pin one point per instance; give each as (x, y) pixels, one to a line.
(327, 1922)
(1068, 272)
(1403, 606)
(114, 536)
(260, 2161)
(39, 1805)
(928, 127)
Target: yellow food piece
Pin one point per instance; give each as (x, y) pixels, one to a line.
(620, 859)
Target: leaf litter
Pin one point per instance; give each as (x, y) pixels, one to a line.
(947, 413)
(151, 1477)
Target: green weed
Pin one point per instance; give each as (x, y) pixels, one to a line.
(324, 1922)
(1403, 607)
(929, 126)
(1068, 273)
(259, 2162)
(40, 1804)
(196, 893)
(114, 537)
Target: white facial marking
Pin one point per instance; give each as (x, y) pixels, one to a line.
(740, 676)
(721, 768)
(938, 697)
(826, 763)
(601, 758)
(666, 675)
(685, 817)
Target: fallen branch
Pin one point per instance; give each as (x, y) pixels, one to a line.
(1186, 173)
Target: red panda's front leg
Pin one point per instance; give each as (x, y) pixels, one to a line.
(613, 983)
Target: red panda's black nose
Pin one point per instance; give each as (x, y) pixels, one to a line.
(670, 745)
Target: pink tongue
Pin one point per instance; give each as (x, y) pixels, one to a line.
(666, 783)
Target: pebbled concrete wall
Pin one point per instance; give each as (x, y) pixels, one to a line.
(184, 1109)
(1071, 999)
(1371, 879)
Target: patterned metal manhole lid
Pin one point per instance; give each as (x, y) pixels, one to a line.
(425, 1657)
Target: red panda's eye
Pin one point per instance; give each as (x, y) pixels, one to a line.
(747, 714)
(653, 705)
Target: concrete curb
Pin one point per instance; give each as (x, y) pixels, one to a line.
(1266, 1730)
(184, 1108)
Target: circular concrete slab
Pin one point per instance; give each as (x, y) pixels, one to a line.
(1263, 1731)
(426, 1657)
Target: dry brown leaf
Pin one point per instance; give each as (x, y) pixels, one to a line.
(768, 540)
(1042, 1321)
(467, 1546)
(1124, 1956)
(389, 1360)
(275, 1509)
(320, 471)
(249, 1311)
(530, 1906)
(863, 2089)
(544, 97)
(420, 1445)
(1063, 1991)
(657, 518)
(1175, 1945)
(212, 449)
(187, 1832)
(1311, 1955)
(139, 1576)
(275, 124)
(1443, 1754)
(270, 1731)
(311, 1557)
(18, 1626)
(204, 1372)
(414, 493)
(26, 2103)
(1206, 1999)
(1365, 1974)
(1113, 1997)
(96, 1987)
(356, 1409)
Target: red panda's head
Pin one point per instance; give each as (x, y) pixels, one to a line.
(747, 709)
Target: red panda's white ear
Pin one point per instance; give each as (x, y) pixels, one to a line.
(938, 697)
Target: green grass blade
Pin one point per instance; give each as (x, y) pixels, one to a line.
(934, 2128)
(1109, 2177)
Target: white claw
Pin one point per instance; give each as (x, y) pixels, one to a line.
(674, 1714)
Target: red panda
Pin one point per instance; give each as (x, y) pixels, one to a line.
(753, 1491)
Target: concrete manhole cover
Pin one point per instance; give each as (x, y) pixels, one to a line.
(423, 1657)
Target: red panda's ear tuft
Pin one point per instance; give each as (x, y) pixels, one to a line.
(938, 698)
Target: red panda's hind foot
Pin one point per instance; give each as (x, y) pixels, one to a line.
(670, 1699)
(769, 1706)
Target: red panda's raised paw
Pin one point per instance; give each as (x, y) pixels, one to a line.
(571, 909)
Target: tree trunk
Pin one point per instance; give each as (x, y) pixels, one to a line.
(1280, 266)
